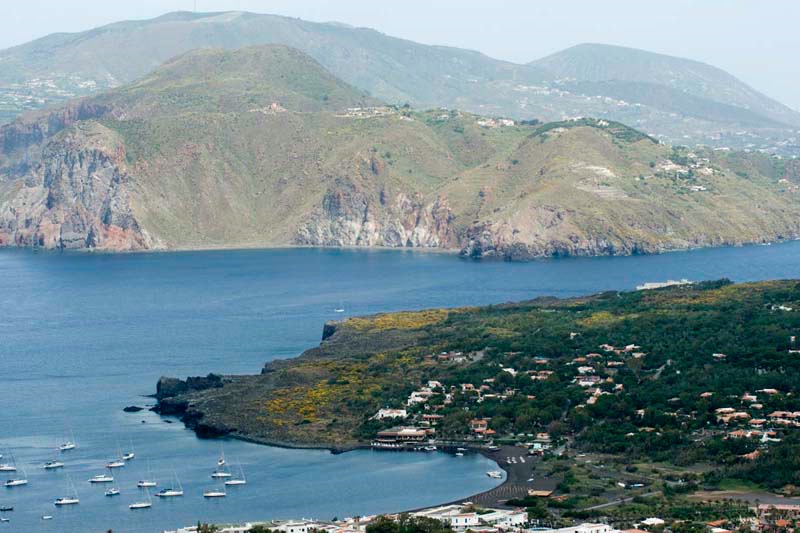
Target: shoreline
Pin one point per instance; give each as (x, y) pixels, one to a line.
(511, 481)
(426, 250)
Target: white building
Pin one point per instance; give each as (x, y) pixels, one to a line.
(390, 413)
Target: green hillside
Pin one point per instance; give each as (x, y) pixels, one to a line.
(261, 146)
(677, 99)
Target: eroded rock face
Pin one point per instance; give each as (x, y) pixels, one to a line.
(350, 216)
(76, 197)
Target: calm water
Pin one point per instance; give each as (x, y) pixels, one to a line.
(81, 336)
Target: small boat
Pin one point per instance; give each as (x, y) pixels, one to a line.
(241, 480)
(219, 474)
(339, 310)
(5, 520)
(130, 455)
(115, 464)
(147, 482)
(15, 482)
(102, 478)
(68, 500)
(68, 444)
(5, 509)
(140, 505)
(221, 460)
(8, 467)
(496, 474)
(430, 448)
(172, 492)
(47, 517)
(52, 465)
(459, 454)
(113, 491)
(214, 493)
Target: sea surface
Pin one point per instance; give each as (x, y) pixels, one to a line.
(84, 335)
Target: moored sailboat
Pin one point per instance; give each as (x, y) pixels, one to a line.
(68, 500)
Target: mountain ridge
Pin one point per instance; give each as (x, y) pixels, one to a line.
(57, 67)
(261, 146)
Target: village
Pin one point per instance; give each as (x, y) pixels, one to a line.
(466, 517)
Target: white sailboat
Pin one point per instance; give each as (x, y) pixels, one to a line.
(130, 455)
(215, 493)
(117, 463)
(68, 500)
(102, 478)
(221, 460)
(173, 492)
(241, 480)
(142, 504)
(69, 444)
(9, 467)
(53, 465)
(17, 482)
(148, 482)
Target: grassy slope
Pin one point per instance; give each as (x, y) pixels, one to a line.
(211, 165)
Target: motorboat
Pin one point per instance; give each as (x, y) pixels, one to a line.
(101, 478)
(52, 465)
(67, 446)
(146, 484)
(496, 474)
(113, 491)
(115, 464)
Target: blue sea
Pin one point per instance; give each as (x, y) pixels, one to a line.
(84, 335)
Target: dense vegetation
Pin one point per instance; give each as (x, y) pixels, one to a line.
(659, 395)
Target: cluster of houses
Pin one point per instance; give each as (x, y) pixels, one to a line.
(368, 112)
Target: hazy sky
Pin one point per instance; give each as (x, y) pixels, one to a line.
(757, 40)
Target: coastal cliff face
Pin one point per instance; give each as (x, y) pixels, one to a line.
(262, 147)
(76, 196)
(352, 217)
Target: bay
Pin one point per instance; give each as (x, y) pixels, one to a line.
(83, 335)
